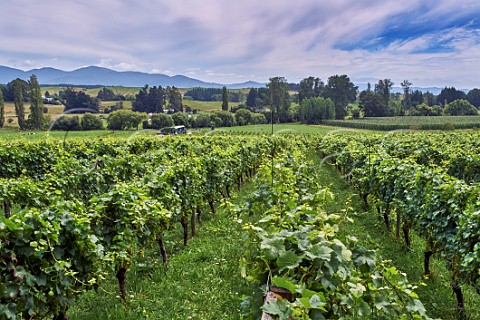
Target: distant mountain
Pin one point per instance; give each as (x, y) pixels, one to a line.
(107, 77)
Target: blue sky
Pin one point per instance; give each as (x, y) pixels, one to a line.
(430, 43)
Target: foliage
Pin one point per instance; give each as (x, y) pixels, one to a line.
(310, 88)
(78, 102)
(65, 123)
(2, 109)
(107, 94)
(202, 120)
(91, 122)
(279, 99)
(341, 91)
(124, 120)
(161, 120)
(227, 119)
(19, 106)
(373, 105)
(460, 108)
(149, 100)
(36, 117)
(174, 99)
(425, 110)
(224, 99)
(48, 257)
(315, 110)
(450, 94)
(243, 117)
(210, 94)
(473, 97)
(181, 119)
(258, 118)
(295, 248)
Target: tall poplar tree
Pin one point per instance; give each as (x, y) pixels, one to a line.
(2, 109)
(36, 104)
(279, 99)
(18, 102)
(224, 99)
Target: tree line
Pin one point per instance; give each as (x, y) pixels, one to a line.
(315, 100)
(213, 94)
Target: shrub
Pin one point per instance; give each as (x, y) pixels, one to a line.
(202, 120)
(243, 117)
(181, 119)
(227, 118)
(161, 120)
(91, 122)
(125, 119)
(65, 123)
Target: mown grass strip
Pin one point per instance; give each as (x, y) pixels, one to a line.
(203, 280)
(436, 295)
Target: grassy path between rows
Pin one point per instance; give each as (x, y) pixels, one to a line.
(202, 282)
(435, 294)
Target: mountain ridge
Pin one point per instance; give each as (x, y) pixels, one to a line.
(93, 75)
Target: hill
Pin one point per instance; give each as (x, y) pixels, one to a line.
(107, 77)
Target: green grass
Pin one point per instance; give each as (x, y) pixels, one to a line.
(437, 296)
(203, 280)
(13, 134)
(277, 128)
(205, 106)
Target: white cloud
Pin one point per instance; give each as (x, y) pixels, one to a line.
(230, 41)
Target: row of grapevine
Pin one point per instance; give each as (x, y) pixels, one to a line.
(88, 217)
(295, 252)
(443, 209)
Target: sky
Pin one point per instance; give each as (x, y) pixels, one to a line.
(428, 42)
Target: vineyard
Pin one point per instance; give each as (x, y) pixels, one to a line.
(79, 213)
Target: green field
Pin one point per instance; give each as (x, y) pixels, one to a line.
(410, 122)
(205, 106)
(277, 128)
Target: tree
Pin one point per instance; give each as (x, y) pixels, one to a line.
(149, 100)
(460, 107)
(91, 122)
(180, 119)
(35, 119)
(224, 99)
(310, 88)
(202, 120)
(2, 108)
(79, 102)
(473, 97)
(259, 118)
(175, 99)
(279, 99)
(341, 91)
(252, 98)
(425, 110)
(416, 98)
(65, 123)
(18, 102)
(125, 119)
(448, 95)
(383, 88)
(226, 118)
(374, 105)
(314, 110)
(429, 98)
(161, 120)
(106, 94)
(243, 117)
(406, 103)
